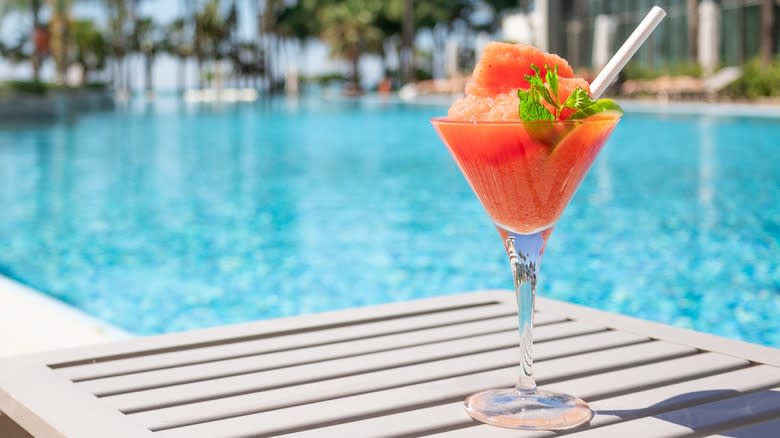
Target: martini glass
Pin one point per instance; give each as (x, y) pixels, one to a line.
(524, 174)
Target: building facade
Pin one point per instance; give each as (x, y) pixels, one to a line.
(733, 30)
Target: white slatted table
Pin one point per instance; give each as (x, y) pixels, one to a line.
(397, 370)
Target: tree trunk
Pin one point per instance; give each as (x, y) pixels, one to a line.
(439, 46)
(200, 73)
(116, 77)
(301, 60)
(407, 42)
(148, 64)
(128, 75)
(767, 31)
(84, 74)
(692, 12)
(35, 59)
(59, 45)
(180, 78)
(355, 62)
(270, 61)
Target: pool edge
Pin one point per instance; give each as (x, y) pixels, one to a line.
(765, 110)
(31, 321)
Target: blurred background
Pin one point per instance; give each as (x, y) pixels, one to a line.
(274, 46)
(169, 165)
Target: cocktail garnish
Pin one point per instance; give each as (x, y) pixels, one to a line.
(540, 101)
(531, 107)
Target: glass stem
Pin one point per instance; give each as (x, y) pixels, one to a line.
(525, 255)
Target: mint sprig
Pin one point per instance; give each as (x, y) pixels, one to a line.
(533, 109)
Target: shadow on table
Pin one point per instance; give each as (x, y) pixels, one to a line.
(703, 410)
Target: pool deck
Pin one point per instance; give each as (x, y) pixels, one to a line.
(31, 321)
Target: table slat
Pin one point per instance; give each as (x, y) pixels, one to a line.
(648, 402)
(451, 415)
(272, 328)
(427, 356)
(298, 356)
(433, 380)
(346, 355)
(182, 357)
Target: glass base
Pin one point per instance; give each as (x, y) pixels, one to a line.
(533, 410)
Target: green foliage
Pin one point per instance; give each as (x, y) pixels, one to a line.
(90, 45)
(95, 86)
(531, 108)
(348, 27)
(426, 14)
(213, 32)
(27, 87)
(352, 28)
(635, 70)
(531, 100)
(176, 41)
(542, 96)
(146, 36)
(295, 21)
(593, 107)
(325, 79)
(40, 88)
(422, 74)
(757, 80)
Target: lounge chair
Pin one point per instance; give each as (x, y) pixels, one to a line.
(399, 369)
(682, 87)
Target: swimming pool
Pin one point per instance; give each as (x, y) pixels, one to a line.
(168, 217)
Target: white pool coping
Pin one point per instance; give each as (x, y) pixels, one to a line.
(31, 321)
(722, 109)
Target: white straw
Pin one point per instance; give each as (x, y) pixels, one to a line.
(609, 73)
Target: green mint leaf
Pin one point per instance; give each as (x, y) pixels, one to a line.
(552, 82)
(536, 85)
(595, 107)
(579, 98)
(545, 90)
(531, 109)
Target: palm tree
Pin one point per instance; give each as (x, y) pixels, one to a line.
(349, 28)
(402, 17)
(294, 23)
(407, 42)
(214, 34)
(145, 40)
(91, 49)
(39, 37)
(59, 28)
(269, 41)
(294, 20)
(177, 44)
(120, 27)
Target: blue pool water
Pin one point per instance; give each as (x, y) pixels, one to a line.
(167, 217)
